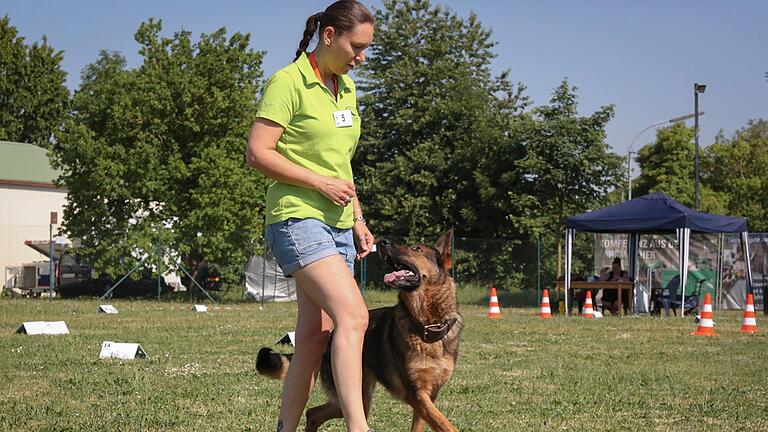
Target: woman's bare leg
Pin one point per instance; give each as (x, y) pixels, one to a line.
(331, 286)
(312, 329)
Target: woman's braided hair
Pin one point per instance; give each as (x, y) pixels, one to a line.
(342, 15)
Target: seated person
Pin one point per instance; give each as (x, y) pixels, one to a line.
(610, 296)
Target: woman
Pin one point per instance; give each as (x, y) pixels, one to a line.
(305, 134)
(610, 296)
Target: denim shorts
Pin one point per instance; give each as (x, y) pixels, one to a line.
(296, 243)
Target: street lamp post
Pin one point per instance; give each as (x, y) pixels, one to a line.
(697, 88)
(632, 144)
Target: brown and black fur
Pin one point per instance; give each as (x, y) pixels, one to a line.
(413, 368)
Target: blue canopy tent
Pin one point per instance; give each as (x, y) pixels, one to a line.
(655, 213)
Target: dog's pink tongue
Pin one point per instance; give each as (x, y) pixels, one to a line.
(391, 277)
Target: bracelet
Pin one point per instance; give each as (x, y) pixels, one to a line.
(359, 218)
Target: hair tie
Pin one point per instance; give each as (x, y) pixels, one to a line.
(319, 16)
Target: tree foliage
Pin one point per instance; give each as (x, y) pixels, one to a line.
(33, 97)
(429, 105)
(447, 144)
(566, 166)
(155, 153)
(668, 166)
(735, 167)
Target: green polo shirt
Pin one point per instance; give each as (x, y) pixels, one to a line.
(296, 100)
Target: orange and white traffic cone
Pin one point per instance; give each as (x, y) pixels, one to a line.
(546, 312)
(706, 324)
(749, 324)
(589, 311)
(493, 305)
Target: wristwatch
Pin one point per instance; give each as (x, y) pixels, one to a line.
(359, 218)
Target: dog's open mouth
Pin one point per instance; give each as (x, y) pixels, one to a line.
(402, 274)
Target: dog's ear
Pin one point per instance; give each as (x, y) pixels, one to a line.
(444, 246)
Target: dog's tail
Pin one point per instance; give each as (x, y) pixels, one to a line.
(272, 364)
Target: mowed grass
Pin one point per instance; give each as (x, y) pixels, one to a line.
(517, 373)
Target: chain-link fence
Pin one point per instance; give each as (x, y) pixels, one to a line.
(164, 275)
(509, 265)
(155, 272)
(504, 264)
(512, 266)
(518, 270)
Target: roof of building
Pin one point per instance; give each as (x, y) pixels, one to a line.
(25, 164)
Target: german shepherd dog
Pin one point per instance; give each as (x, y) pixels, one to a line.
(410, 348)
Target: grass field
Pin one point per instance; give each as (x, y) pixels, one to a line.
(519, 373)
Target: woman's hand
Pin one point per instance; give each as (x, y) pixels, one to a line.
(261, 154)
(363, 238)
(339, 191)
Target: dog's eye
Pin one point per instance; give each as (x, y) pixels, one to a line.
(416, 248)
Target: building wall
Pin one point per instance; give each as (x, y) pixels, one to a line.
(25, 215)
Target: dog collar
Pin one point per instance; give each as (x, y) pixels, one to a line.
(434, 332)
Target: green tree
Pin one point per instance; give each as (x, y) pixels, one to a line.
(33, 97)
(430, 111)
(156, 153)
(566, 167)
(446, 143)
(735, 167)
(668, 166)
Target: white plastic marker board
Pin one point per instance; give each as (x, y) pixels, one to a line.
(125, 351)
(43, 327)
(287, 338)
(107, 309)
(200, 308)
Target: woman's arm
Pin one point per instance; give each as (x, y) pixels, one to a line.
(361, 232)
(261, 154)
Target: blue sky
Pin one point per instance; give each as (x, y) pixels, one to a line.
(644, 57)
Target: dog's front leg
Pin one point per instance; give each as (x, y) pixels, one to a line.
(418, 423)
(423, 407)
(320, 414)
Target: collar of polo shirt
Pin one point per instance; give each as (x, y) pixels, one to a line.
(305, 67)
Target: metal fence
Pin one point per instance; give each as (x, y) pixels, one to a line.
(156, 273)
(505, 264)
(509, 265)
